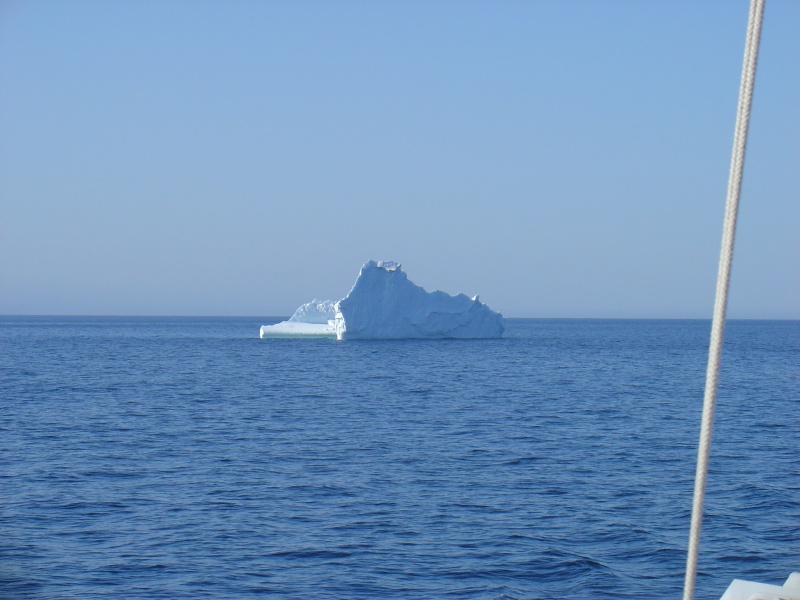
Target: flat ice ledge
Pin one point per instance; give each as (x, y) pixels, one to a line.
(293, 329)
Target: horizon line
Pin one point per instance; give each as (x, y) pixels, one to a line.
(210, 316)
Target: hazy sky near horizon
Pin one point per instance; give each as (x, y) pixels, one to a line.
(560, 158)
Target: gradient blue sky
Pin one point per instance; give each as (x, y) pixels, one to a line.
(561, 158)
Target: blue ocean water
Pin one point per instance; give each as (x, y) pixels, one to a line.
(186, 458)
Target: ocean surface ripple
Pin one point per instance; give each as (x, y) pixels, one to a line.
(186, 458)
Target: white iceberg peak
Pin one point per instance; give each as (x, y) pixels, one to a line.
(389, 265)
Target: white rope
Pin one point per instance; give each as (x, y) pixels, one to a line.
(723, 279)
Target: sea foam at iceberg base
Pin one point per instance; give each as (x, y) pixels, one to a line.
(385, 304)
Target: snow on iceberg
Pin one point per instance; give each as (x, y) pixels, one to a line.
(316, 311)
(385, 304)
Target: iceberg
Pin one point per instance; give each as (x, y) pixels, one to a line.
(385, 304)
(316, 311)
(312, 319)
(290, 329)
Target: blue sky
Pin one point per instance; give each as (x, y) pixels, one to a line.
(561, 159)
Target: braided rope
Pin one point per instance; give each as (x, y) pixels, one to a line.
(723, 279)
